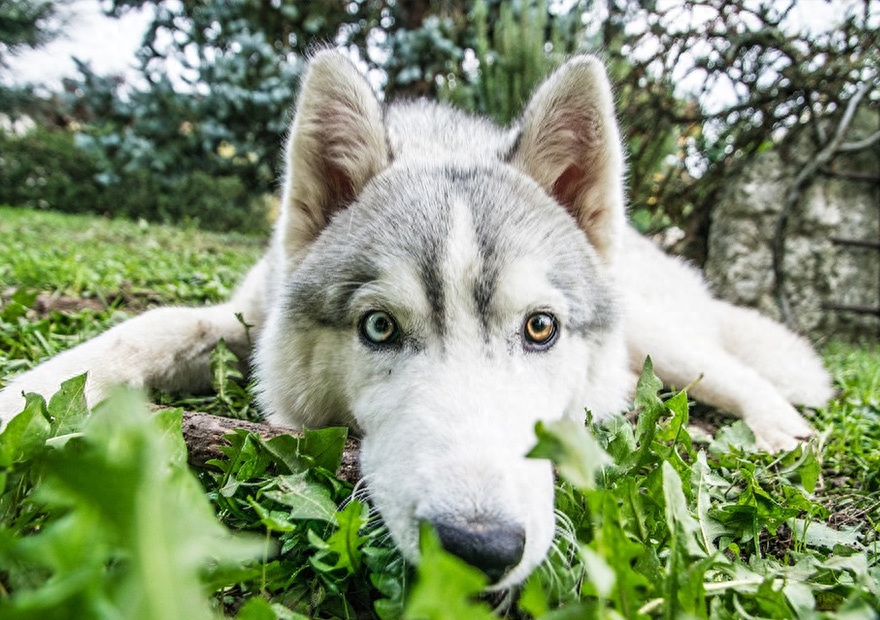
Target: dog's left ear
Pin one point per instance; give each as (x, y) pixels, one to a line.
(337, 144)
(570, 145)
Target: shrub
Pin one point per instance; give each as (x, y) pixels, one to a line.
(45, 169)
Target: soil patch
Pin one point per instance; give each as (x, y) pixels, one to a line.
(47, 303)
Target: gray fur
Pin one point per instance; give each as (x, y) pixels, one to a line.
(402, 216)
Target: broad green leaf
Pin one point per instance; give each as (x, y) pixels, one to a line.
(170, 424)
(807, 467)
(734, 437)
(325, 446)
(676, 430)
(322, 448)
(856, 564)
(26, 433)
(618, 438)
(247, 459)
(800, 597)
(613, 544)
(130, 506)
(260, 609)
(678, 515)
(285, 449)
(573, 450)
(346, 541)
(582, 611)
(647, 387)
(272, 520)
(651, 410)
(599, 573)
(533, 598)
(703, 483)
(445, 585)
(256, 609)
(68, 406)
(307, 499)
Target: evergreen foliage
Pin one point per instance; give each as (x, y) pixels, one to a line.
(47, 169)
(25, 24)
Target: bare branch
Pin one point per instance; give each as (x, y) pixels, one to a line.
(859, 177)
(859, 145)
(793, 196)
(204, 435)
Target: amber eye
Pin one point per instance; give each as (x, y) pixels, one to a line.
(539, 331)
(379, 328)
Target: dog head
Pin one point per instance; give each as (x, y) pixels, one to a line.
(441, 286)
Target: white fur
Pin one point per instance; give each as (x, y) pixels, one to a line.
(447, 419)
(741, 361)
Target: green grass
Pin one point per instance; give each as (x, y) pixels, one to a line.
(92, 257)
(119, 266)
(101, 518)
(850, 437)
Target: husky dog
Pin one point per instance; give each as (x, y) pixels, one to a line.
(439, 285)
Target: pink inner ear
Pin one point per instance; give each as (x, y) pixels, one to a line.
(568, 185)
(340, 190)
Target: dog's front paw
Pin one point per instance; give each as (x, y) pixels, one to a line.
(777, 431)
(11, 403)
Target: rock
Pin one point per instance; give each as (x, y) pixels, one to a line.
(821, 274)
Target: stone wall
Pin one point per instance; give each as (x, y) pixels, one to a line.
(819, 273)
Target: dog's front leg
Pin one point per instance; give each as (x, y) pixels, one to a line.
(725, 382)
(166, 349)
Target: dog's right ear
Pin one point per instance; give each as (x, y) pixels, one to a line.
(337, 144)
(569, 143)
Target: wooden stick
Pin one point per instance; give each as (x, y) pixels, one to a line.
(204, 436)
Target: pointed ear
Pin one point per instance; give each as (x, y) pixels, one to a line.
(337, 144)
(570, 145)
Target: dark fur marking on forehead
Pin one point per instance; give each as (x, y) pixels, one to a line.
(487, 280)
(432, 282)
(460, 174)
(392, 155)
(508, 155)
(323, 296)
(467, 180)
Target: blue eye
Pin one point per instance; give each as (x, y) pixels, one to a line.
(379, 328)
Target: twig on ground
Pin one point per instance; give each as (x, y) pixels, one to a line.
(204, 435)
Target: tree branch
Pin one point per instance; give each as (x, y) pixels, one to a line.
(204, 436)
(793, 195)
(859, 145)
(859, 177)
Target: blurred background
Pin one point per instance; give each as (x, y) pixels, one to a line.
(752, 127)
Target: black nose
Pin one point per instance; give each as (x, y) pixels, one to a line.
(494, 548)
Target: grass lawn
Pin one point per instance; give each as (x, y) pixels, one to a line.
(108, 269)
(101, 518)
